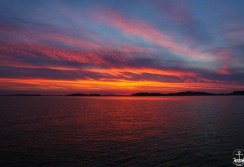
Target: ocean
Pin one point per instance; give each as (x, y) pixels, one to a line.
(192, 131)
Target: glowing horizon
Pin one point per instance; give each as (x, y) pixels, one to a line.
(113, 47)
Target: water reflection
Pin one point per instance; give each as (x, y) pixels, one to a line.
(120, 131)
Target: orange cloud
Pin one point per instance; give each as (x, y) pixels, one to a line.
(122, 86)
(121, 71)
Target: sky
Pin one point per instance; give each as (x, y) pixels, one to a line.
(121, 46)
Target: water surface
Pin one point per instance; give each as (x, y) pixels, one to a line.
(120, 131)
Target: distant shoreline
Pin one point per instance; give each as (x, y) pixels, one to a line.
(189, 93)
(186, 93)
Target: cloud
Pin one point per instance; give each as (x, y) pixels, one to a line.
(91, 46)
(138, 28)
(125, 86)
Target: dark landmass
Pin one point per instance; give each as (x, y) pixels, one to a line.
(94, 94)
(25, 95)
(188, 93)
(237, 93)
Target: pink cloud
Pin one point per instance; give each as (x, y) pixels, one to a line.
(224, 55)
(147, 32)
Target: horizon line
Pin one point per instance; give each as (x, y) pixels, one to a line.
(181, 93)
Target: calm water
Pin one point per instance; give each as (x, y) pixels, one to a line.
(120, 131)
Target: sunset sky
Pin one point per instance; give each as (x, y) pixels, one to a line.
(121, 46)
